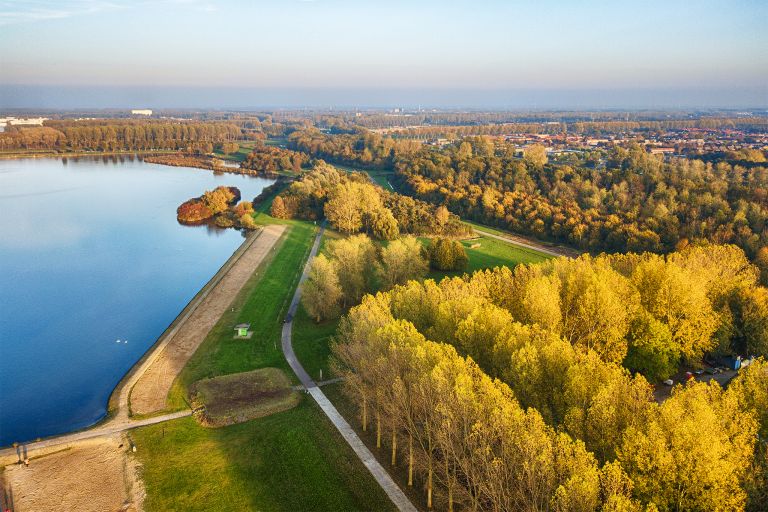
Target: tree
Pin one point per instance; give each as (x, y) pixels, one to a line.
(535, 155)
(678, 298)
(447, 254)
(219, 199)
(355, 262)
(691, 455)
(278, 210)
(344, 209)
(321, 293)
(401, 261)
(383, 224)
(442, 215)
(750, 307)
(761, 260)
(651, 349)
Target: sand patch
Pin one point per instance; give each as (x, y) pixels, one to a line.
(97, 475)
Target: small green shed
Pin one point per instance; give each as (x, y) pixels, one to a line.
(241, 330)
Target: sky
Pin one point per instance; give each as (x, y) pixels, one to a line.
(336, 53)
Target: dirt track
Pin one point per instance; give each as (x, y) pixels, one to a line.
(151, 389)
(97, 475)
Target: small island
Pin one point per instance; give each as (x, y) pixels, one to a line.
(220, 207)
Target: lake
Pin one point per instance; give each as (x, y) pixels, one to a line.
(93, 268)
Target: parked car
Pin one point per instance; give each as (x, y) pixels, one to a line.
(669, 382)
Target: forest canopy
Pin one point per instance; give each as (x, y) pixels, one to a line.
(508, 390)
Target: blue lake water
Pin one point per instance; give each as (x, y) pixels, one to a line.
(91, 253)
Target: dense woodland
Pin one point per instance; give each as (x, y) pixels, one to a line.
(631, 200)
(270, 160)
(120, 134)
(352, 204)
(508, 390)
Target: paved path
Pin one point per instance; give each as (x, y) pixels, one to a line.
(516, 241)
(394, 492)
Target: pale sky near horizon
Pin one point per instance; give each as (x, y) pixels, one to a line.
(716, 49)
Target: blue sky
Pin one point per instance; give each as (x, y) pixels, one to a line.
(716, 51)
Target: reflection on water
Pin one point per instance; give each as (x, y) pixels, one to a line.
(91, 253)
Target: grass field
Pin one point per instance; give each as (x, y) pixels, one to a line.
(378, 176)
(564, 249)
(491, 253)
(290, 461)
(238, 156)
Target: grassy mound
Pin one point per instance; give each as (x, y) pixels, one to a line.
(240, 397)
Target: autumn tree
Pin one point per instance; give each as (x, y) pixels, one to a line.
(321, 293)
(535, 155)
(692, 454)
(278, 210)
(355, 262)
(402, 260)
(344, 209)
(447, 254)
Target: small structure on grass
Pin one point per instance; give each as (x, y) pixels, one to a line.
(243, 332)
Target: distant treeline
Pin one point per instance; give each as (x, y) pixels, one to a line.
(593, 128)
(119, 134)
(364, 149)
(637, 202)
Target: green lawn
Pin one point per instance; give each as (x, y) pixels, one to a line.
(571, 251)
(494, 253)
(291, 461)
(311, 343)
(491, 253)
(245, 148)
(378, 176)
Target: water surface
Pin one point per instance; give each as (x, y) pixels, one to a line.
(93, 268)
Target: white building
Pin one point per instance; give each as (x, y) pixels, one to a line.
(141, 112)
(29, 121)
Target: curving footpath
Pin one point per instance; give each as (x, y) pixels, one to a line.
(394, 492)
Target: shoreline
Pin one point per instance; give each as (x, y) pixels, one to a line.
(78, 154)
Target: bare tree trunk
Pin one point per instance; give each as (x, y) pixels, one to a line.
(378, 429)
(394, 446)
(449, 482)
(410, 460)
(429, 484)
(365, 414)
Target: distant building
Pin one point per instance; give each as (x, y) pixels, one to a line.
(29, 121)
(141, 112)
